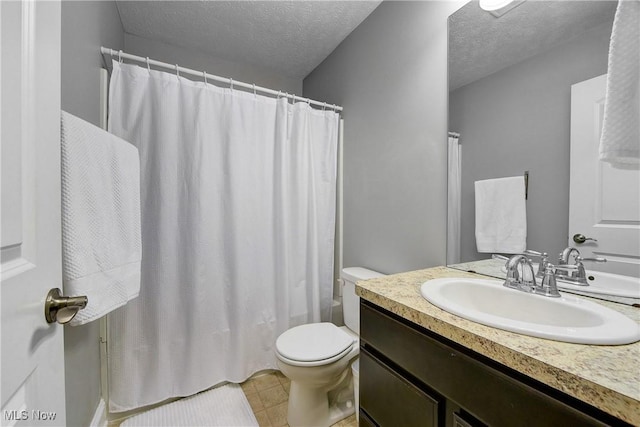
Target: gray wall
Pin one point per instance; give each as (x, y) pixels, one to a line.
(86, 25)
(199, 61)
(390, 75)
(519, 119)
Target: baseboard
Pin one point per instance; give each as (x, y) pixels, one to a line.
(100, 416)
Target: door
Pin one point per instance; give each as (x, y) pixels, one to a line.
(32, 353)
(604, 201)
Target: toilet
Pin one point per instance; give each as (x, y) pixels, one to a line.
(316, 358)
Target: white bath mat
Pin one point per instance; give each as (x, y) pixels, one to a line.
(222, 406)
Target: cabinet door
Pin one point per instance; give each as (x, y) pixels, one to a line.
(365, 421)
(488, 394)
(391, 400)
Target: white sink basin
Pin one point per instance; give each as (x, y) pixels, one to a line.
(568, 318)
(606, 284)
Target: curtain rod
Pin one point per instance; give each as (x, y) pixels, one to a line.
(121, 55)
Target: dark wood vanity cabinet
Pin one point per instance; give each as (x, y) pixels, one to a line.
(412, 377)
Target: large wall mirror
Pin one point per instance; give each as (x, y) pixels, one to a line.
(515, 82)
(510, 82)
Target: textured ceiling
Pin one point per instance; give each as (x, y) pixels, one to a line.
(291, 37)
(481, 44)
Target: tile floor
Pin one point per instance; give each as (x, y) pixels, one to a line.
(268, 395)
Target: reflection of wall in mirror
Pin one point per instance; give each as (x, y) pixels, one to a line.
(518, 119)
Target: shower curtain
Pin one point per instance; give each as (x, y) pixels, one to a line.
(238, 218)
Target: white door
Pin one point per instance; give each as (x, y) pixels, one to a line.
(32, 363)
(604, 201)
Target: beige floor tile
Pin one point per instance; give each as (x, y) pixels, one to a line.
(278, 415)
(273, 396)
(264, 382)
(255, 402)
(263, 419)
(351, 421)
(286, 382)
(249, 386)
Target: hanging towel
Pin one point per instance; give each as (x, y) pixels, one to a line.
(501, 217)
(101, 244)
(620, 141)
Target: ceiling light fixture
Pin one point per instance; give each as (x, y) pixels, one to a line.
(490, 5)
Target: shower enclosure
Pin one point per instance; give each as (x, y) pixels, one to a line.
(238, 224)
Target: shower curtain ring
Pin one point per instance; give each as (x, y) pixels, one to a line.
(231, 84)
(278, 96)
(148, 66)
(324, 106)
(254, 90)
(177, 70)
(204, 74)
(120, 56)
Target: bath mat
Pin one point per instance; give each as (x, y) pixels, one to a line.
(222, 406)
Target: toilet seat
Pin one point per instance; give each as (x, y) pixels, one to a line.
(313, 344)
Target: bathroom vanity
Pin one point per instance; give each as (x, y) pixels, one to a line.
(420, 365)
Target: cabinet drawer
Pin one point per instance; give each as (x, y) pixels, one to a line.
(391, 400)
(491, 396)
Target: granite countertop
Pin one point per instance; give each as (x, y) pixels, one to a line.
(607, 377)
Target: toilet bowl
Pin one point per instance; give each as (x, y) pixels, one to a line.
(316, 358)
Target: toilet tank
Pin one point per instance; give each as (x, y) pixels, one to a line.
(350, 301)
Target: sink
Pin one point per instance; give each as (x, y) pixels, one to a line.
(568, 318)
(606, 284)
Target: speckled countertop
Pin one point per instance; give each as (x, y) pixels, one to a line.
(607, 377)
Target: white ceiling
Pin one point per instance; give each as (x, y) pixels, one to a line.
(290, 37)
(481, 44)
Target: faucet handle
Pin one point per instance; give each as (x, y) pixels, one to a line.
(565, 267)
(544, 261)
(594, 259)
(536, 253)
(548, 287)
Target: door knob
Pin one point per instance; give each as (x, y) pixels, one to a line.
(62, 309)
(581, 238)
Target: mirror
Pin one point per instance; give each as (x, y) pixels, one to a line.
(510, 79)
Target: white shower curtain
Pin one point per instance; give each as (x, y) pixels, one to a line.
(453, 198)
(238, 213)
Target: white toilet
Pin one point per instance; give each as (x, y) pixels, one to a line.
(317, 357)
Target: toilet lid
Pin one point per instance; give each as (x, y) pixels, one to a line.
(315, 341)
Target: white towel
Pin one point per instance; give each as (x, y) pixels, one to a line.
(501, 215)
(620, 141)
(101, 243)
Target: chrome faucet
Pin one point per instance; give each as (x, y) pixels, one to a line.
(548, 287)
(520, 274)
(566, 253)
(579, 276)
